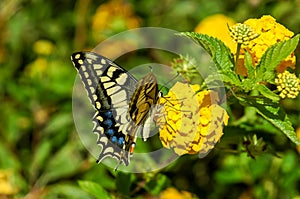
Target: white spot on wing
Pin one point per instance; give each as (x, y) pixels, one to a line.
(103, 61)
(77, 56)
(118, 97)
(113, 90)
(122, 79)
(95, 97)
(111, 71)
(99, 72)
(97, 66)
(83, 68)
(98, 105)
(108, 84)
(99, 118)
(89, 82)
(92, 89)
(104, 79)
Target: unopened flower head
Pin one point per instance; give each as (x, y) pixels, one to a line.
(287, 84)
(186, 67)
(242, 34)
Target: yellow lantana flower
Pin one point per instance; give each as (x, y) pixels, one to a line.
(190, 122)
(43, 47)
(172, 193)
(6, 187)
(114, 16)
(270, 32)
(37, 68)
(298, 135)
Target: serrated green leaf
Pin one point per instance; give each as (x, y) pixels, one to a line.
(224, 77)
(249, 65)
(219, 52)
(265, 91)
(284, 125)
(273, 56)
(248, 84)
(95, 189)
(273, 113)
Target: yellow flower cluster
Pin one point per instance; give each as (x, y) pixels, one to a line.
(270, 32)
(287, 84)
(38, 68)
(43, 47)
(6, 187)
(242, 34)
(116, 15)
(190, 122)
(298, 135)
(172, 193)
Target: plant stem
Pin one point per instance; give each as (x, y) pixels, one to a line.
(238, 49)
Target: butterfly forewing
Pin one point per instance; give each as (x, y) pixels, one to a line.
(109, 88)
(122, 104)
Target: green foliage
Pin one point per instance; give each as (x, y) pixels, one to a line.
(156, 184)
(267, 105)
(95, 189)
(41, 155)
(219, 52)
(272, 57)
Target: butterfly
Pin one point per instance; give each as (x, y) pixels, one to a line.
(123, 105)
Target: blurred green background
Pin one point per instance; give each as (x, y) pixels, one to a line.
(41, 155)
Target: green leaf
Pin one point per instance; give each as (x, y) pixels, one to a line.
(157, 184)
(43, 151)
(216, 80)
(265, 91)
(273, 56)
(94, 189)
(273, 113)
(123, 182)
(66, 190)
(219, 52)
(64, 163)
(249, 65)
(284, 125)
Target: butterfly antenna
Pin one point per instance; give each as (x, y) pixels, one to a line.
(151, 68)
(165, 85)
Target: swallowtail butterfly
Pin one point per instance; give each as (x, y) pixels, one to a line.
(122, 104)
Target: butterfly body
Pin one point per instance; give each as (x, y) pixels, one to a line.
(145, 95)
(121, 102)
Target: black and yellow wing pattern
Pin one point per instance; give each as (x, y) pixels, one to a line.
(121, 102)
